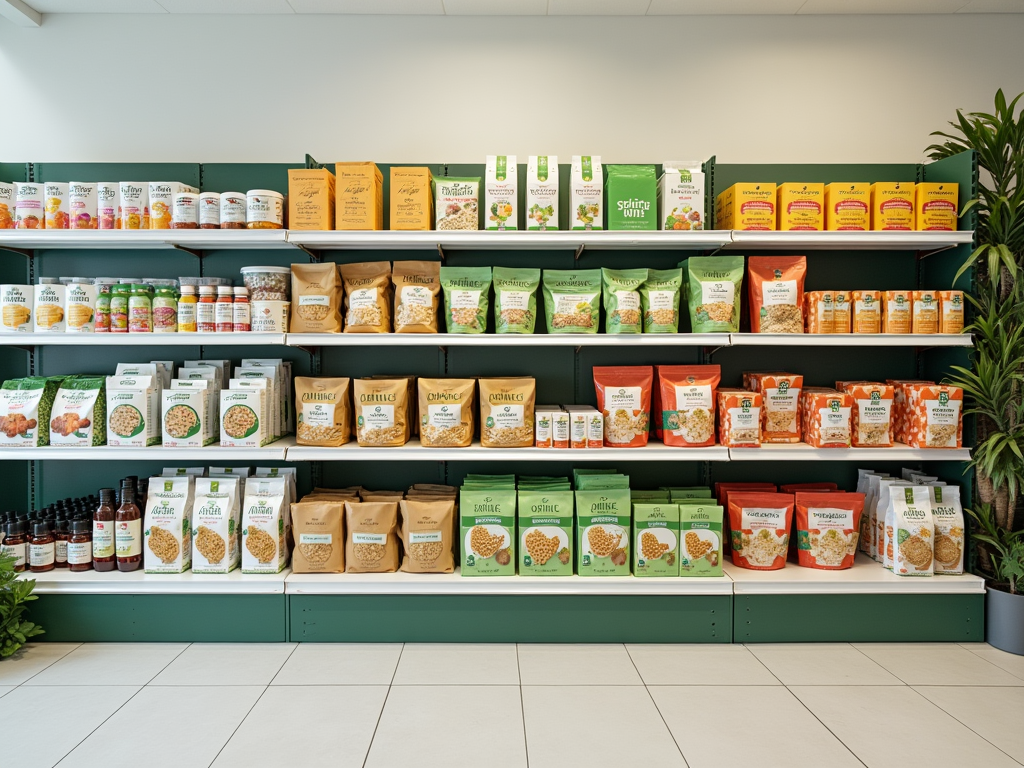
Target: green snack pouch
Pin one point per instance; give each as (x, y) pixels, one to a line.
(655, 540)
(545, 532)
(621, 290)
(713, 293)
(700, 536)
(572, 300)
(467, 293)
(488, 527)
(659, 298)
(602, 532)
(515, 299)
(632, 197)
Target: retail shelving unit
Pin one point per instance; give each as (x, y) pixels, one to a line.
(865, 603)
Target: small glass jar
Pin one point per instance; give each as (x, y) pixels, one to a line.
(185, 211)
(119, 295)
(232, 210)
(14, 545)
(165, 310)
(61, 532)
(140, 309)
(209, 210)
(41, 549)
(80, 546)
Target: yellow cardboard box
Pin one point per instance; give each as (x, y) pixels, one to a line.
(801, 207)
(310, 198)
(360, 196)
(412, 204)
(936, 206)
(746, 206)
(892, 205)
(848, 206)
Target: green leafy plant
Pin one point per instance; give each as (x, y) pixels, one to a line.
(1005, 547)
(14, 595)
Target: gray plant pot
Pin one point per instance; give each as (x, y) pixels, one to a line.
(1004, 621)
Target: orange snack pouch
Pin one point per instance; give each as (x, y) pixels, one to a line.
(686, 407)
(624, 400)
(872, 414)
(897, 310)
(867, 312)
(819, 313)
(776, 293)
(828, 529)
(759, 529)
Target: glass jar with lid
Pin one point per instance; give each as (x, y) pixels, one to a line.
(165, 310)
(140, 308)
(103, 293)
(119, 294)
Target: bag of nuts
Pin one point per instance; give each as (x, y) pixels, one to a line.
(381, 414)
(367, 297)
(319, 531)
(506, 412)
(316, 299)
(371, 545)
(427, 536)
(417, 285)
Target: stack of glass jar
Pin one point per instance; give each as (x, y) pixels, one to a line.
(157, 305)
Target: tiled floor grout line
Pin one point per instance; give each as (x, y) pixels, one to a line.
(766, 667)
(165, 666)
(100, 724)
(1011, 674)
(656, 708)
(49, 665)
(382, 706)
(858, 650)
(835, 735)
(965, 725)
(522, 708)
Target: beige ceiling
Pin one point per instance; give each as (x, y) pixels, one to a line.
(525, 7)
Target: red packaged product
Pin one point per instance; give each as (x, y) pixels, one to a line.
(759, 529)
(828, 529)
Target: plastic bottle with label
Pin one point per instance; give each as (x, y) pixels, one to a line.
(241, 310)
(187, 306)
(104, 556)
(206, 310)
(224, 309)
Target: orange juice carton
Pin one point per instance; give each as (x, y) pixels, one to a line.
(892, 205)
(747, 207)
(936, 206)
(848, 206)
(801, 207)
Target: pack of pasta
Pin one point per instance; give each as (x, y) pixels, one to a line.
(167, 526)
(265, 525)
(215, 525)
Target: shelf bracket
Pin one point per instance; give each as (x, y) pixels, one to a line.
(21, 251)
(198, 254)
(440, 251)
(926, 254)
(709, 351)
(579, 251)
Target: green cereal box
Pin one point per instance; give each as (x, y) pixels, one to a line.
(655, 539)
(700, 533)
(545, 533)
(488, 518)
(602, 532)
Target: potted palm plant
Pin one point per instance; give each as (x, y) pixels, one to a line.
(995, 384)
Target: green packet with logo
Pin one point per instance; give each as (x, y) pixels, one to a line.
(622, 299)
(467, 294)
(545, 532)
(572, 300)
(655, 540)
(515, 299)
(632, 197)
(488, 531)
(700, 534)
(602, 532)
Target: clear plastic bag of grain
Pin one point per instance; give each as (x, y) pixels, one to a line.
(381, 412)
(506, 412)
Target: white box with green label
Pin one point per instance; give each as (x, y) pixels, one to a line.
(655, 539)
(545, 533)
(488, 532)
(603, 532)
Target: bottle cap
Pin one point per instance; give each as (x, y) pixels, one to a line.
(41, 528)
(81, 526)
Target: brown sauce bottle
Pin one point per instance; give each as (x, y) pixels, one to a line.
(128, 530)
(104, 556)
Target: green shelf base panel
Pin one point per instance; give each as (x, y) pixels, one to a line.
(858, 618)
(510, 618)
(161, 618)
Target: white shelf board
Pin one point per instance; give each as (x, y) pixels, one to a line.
(866, 577)
(518, 240)
(852, 241)
(804, 452)
(61, 581)
(274, 452)
(413, 451)
(117, 239)
(499, 340)
(454, 584)
(140, 339)
(850, 340)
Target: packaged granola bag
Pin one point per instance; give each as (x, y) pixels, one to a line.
(367, 297)
(622, 299)
(457, 202)
(759, 524)
(371, 543)
(828, 418)
(777, 293)
(168, 524)
(266, 524)
(713, 291)
(446, 412)
(381, 411)
(417, 296)
(685, 404)
(659, 300)
(506, 412)
(324, 411)
(426, 531)
(935, 416)
(515, 299)
(624, 400)
(948, 518)
(215, 525)
(318, 529)
(913, 532)
(572, 300)
(828, 529)
(545, 531)
(316, 299)
(467, 292)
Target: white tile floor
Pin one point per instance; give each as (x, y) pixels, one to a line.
(533, 706)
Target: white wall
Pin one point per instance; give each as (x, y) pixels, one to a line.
(408, 89)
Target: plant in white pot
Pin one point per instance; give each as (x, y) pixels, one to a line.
(995, 384)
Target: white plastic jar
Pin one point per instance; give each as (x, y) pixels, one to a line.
(209, 210)
(185, 211)
(232, 210)
(264, 209)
